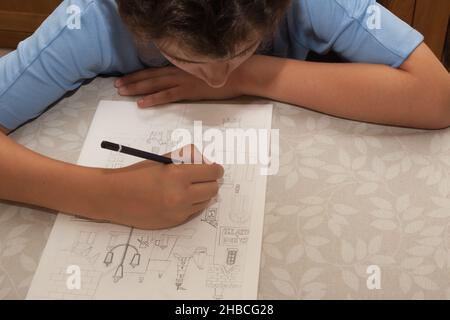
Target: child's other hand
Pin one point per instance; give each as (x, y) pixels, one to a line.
(150, 195)
(170, 84)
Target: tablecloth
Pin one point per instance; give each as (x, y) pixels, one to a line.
(351, 201)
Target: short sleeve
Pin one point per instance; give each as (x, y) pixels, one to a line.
(357, 30)
(54, 60)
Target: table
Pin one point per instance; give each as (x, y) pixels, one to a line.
(348, 196)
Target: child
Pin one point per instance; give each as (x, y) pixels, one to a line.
(176, 50)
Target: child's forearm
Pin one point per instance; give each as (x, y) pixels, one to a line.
(30, 178)
(146, 195)
(371, 93)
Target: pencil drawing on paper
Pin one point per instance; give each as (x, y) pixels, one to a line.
(214, 256)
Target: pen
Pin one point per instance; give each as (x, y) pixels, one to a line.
(139, 153)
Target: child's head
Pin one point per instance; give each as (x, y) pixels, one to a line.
(207, 38)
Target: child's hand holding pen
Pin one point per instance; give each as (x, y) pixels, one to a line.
(147, 195)
(152, 195)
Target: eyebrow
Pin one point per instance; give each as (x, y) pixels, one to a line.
(200, 62)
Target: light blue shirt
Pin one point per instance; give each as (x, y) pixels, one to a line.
(58, 58)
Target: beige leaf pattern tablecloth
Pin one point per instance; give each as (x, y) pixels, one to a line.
(348, 195)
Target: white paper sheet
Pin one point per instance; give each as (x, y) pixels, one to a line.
(215, 256)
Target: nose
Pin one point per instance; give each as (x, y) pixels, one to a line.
(216, 75)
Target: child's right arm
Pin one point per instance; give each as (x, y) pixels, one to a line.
(146, 195)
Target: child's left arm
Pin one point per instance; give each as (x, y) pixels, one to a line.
(415, 95)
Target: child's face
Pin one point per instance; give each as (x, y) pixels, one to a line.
(215, 72)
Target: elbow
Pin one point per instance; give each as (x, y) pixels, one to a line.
(438, 106)
(442, 113)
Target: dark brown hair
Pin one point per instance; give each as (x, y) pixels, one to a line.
(211, 27)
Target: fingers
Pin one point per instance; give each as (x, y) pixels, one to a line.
(201, 192)
(198, 173)
(145, 75)
(148, 86)
(161, 98)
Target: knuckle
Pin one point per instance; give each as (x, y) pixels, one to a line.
(157, 82)
(132, 87)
